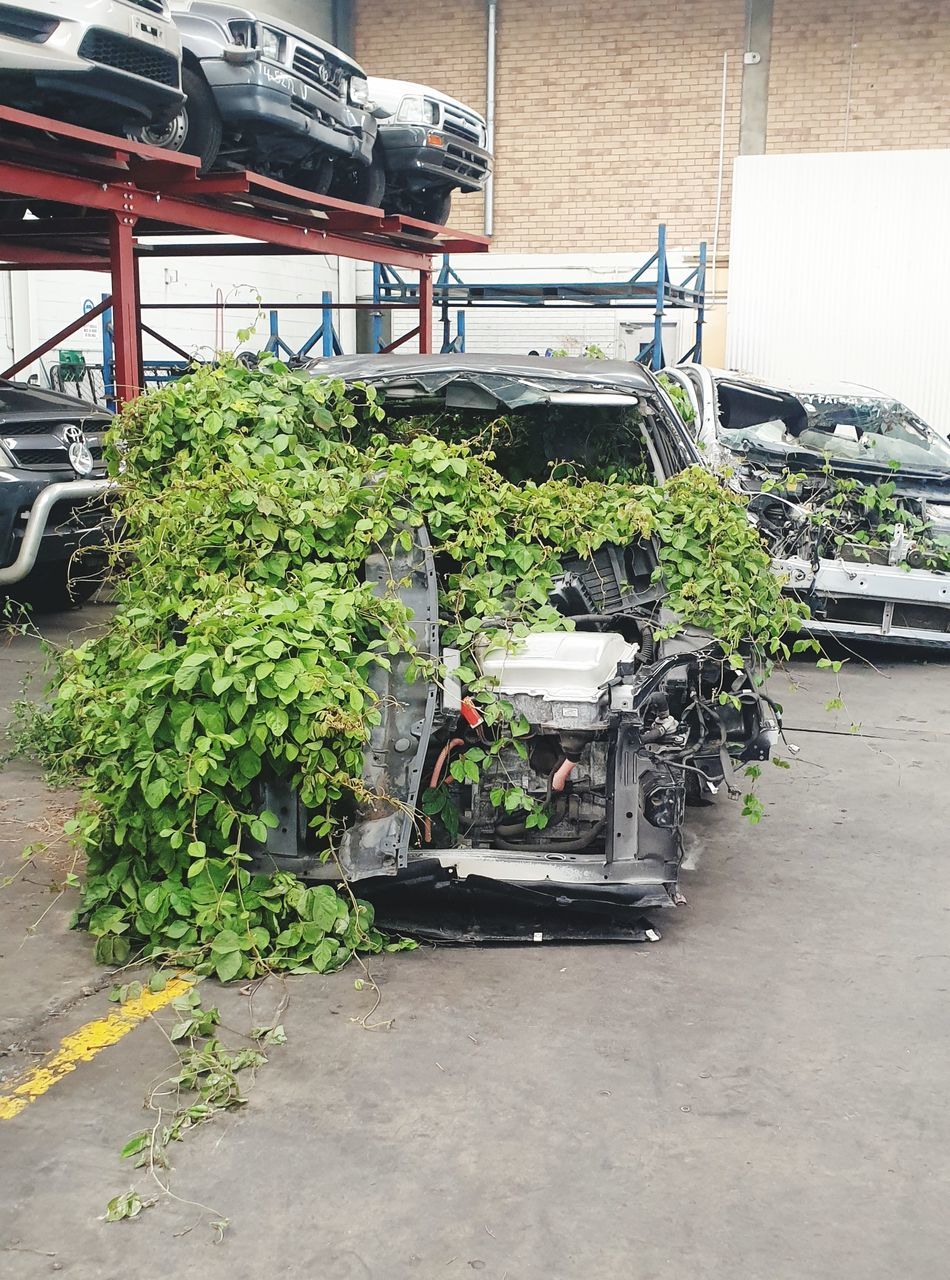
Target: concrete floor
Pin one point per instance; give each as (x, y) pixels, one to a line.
(760, 1095)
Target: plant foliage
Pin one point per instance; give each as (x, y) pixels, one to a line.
(245, 636)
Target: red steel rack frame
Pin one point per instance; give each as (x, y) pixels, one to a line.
(110, 202)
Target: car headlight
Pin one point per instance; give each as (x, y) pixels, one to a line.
(359, 91)
(418, 110)
(271, 44)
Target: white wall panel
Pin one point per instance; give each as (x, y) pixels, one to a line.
(44, 302)
(840, 272)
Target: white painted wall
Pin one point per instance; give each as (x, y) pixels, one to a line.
(34, 305)
(840, 272)
(518, 330)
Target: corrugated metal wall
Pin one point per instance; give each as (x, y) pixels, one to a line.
(840, 271)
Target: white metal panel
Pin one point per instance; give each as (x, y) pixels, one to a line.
(840, 271)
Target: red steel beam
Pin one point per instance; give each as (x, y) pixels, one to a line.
(116, 147)
(128, 359)
(56, 338)
(123, 198)
(25, 255)
(393, 346)
(425, 311)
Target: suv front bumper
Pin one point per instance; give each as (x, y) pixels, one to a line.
(112, 57)
(414, 160)
(265, 100)
(42, 522)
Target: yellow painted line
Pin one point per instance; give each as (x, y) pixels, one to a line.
(84, 1044)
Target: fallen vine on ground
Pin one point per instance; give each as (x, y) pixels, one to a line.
(244, 638)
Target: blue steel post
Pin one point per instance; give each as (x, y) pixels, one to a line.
(701, 305)
(656, 359)
(461, 332)
(108, 355)
(376, 316)
(442, 285)
(327, 323)
(274, 339)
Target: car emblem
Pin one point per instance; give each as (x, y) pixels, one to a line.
(80, 459)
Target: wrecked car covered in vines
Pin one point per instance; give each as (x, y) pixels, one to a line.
(547, 765)
(850, 488)
(408, 635)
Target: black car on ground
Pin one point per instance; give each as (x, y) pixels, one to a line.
(53, 510)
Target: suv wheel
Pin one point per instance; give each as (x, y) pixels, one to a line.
(196, 130)
(433, 205)
(361, 183)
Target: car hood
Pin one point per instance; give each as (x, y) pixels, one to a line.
(383, 87)
(19, 400)
(225, 13)
(515, 380)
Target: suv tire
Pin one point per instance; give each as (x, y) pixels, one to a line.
(196, 130)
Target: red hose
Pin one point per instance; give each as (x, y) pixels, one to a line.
(436, 778)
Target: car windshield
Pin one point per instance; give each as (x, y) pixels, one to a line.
(855, 429)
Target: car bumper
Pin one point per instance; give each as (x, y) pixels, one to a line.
(872, 601)
(287, 106)
(48, 519)
(414, 159)
(57, 68)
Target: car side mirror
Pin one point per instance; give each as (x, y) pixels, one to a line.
(381, 113)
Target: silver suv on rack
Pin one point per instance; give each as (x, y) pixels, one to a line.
(266, 95)
(108, 64)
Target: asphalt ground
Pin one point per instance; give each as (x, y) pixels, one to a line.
(761, 1094)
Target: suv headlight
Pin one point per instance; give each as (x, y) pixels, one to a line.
(271, 44)
(418, 110)
(359, 91)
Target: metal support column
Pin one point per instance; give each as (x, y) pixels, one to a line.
(662, 280)
(327, 323)
(700, 304)
(425, 311)
(128, 359)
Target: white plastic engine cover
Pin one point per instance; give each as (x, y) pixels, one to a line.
(560, 666)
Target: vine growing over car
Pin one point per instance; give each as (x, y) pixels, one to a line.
(245, 637)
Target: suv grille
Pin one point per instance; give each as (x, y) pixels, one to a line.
(463, 125)
(51, 457)
(312, 65)
(133, 56)
(23, 25)
(153, 6)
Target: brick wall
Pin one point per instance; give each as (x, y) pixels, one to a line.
(859, 75)
(607, 116)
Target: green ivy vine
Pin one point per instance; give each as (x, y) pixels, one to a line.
(244, 638)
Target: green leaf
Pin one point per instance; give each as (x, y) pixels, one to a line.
(229, 966)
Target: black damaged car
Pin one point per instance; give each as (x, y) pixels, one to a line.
(53, 487)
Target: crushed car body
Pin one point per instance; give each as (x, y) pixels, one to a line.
(851, 490)
(624, 723)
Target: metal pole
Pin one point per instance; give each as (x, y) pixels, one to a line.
(327, 323)
(461, 331)
(701, 308)
(425, 311)
(125, 321)
(376, 317)
(490, 56)
(656, 359)
(108, 355)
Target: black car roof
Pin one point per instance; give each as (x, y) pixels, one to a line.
(620, 374)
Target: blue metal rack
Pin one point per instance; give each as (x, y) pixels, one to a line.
(649, 287)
